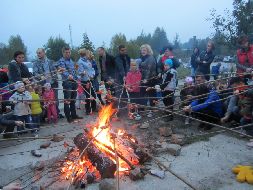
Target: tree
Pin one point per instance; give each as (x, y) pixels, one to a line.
(159, 40)
(15, 43)
(87, 44)
(232, 24)
(54, 48)
(143, 39)
(133, 49)
(176, 42)
(117, 39)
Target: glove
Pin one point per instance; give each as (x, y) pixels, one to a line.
(244, 173)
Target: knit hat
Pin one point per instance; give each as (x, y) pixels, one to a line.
(19, 84)
(188, 79)
(47, 85)
(168, 62)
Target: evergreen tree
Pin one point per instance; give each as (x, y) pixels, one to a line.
(117, 39)
(54, 48)
(159, 40)
(87, 44)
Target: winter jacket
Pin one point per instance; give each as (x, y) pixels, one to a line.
(169, 80)
(133, 80)
(148, 67)
(85, 65)
(207, 104)
(46, 68)
(95, 67)
(107, 66)
(205, 67)
(245, 59)
(35, 105)
(17, 72)
(194, 63)
(49, 97)
(69, 67)
(21, 108)
(122, 63)
(216, 69)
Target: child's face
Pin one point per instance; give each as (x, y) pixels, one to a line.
(166, 67)
(133, 67)
(21, 89)
(189, 84)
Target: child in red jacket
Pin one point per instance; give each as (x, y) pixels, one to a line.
(133, 80)
(50, 103)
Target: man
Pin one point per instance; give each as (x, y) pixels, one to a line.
(205, 59)
(122, 63)
(45, 71)
(69, 77)
(107, 66)
(244, 57)
(207, 109)
(18, 71)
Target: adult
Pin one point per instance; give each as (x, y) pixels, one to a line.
(206, 106)
(18, 71)
(86, 74)
(194, 63)
(148, 70)
(107, 66)
(122, 62)
(244, 57)
(69, 77)
(95, 83)
(205, 59)
(44, 70)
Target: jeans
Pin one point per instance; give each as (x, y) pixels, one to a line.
(69, 92)
(36, 121)
(27, 119)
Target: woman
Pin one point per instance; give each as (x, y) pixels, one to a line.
(148, 70)
(205, 59)
(17, 69)
(194, 63)
(86, 73)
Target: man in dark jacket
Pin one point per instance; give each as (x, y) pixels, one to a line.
(107, 66)
(194, 63)
(205, 59)
(122, 62)
(17, 69)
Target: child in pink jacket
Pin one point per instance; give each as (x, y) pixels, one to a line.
(50, 103)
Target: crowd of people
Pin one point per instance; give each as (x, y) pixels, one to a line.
(136, 84)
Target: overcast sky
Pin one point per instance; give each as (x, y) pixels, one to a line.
(37, 20)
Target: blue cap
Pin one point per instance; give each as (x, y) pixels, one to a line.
(168, 62)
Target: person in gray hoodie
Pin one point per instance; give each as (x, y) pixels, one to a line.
(21, 100)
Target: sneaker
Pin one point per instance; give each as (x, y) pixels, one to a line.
(187, 121)
(60, 116)
(69, 120)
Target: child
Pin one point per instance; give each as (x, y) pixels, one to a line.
(50, 103)
(80, 95)
(169, 83)
(186, 95)
(21, 100)
(133, 80)
(35, 107)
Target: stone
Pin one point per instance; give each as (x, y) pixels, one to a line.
(39, 165)
(136, 174)
(158, 173)
(107, 184)
(144, 126)
(45, 145)
(177, 139)
(174, 149)
(57, 138)
(165, 131)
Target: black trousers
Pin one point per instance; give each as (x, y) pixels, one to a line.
(169, 98)
(69, 91)
(207, 115)
(89, 104)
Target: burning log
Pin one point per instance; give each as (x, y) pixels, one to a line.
(104, 165)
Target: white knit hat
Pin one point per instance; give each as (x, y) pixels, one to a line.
(19, 84)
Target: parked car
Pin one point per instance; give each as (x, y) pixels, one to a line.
(30, 66)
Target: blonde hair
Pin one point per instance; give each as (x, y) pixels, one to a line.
(133, 62)
(82, 52)
(148, 48)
